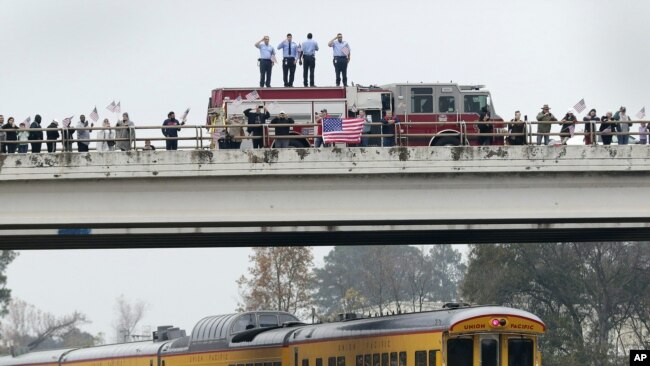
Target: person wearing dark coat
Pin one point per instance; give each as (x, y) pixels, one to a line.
(485, 127)
(170, 130)
(568, 121)
(258, 117)
(52, 136)
(68, 135)
(607, 126)
(280, 132)
(590, 126)
(36, 135)
(11, 132)
(516, 129)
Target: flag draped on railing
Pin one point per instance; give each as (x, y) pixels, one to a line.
(342, 130)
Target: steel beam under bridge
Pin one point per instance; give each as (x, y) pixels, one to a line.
(325, 196)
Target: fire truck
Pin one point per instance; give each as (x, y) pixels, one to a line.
(433, 114)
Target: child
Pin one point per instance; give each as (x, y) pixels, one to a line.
(23, 137)
(643, 133)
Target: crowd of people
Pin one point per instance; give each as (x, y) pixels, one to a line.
(304, 54)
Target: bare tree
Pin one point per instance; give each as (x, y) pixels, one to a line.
(128, 316)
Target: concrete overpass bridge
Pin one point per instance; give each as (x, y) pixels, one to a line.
(325, 196)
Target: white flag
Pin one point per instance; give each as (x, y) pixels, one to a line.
(111, 107)
(641, 114)
(580, 106)
(254, 95)
(94, 115)
(184, 117)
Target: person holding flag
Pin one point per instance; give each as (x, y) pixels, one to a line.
(68, 134)
(341, 51)
(170, 130)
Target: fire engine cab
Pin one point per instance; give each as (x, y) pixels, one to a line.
(434, 114)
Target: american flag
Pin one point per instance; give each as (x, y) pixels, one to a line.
(27, 121)
(354, 108)
(184, 117)
(580, 106)
(94, 115)
(111, 107)
(67, 121)
(641, 114)
(346, 50)
(342, 130)
(252, 96)
(118, 108)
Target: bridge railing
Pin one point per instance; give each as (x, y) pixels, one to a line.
(213, 136)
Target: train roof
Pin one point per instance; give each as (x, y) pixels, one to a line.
(35, 358)
(437, 320)
(132, 349)
(219, 327)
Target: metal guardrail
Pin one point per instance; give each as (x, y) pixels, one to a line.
(207, 136)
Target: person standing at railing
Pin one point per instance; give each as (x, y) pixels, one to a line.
(485, 126)
(607, 126)
(590, 127)
(258, 117)
(23, 137)
(568, 123)
(281, 132)
(366, 128)
(67, 134)
(318, 140)
(388, 128)
(52, 136)
(623, 126)
(124, 134)
(544, 127)
(516, 130)
(83, 134)
(3, 136)
(105, 137)
(643, 133)
(10, 130)
(36, 135)
(172, 126)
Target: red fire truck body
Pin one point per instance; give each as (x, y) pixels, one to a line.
(430, 114)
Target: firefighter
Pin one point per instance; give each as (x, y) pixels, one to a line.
(308, 56)
(266, 61)
(289, 52)
(342, 55)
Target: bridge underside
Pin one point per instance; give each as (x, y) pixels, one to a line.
(326, 197)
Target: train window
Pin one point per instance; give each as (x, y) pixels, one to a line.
(163, 363)
(277, 363)
(249, 364)
(244, 322)
(241, 364)
(259, 364)
(489, 352)
(420, 358)
(268, 320)
(268, 364)
(447, 104)
(460, 352)
(421, 100)
(402, 359)
(359, 360)
(520, 352)
(340, 361)
(474, 103)
(150, 362)
(432, 358)
(285, 318)
(305, 362)
(366, 360)
(375, 359)
(393, 359)
(384, 359)
(331, 361)
(319, 362)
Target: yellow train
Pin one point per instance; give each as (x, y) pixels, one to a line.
(452, 336)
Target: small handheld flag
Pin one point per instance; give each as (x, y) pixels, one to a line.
(94, 115)
(111, 107)
(641, 114)
(254, 95)
(184, 117)
(580, 106)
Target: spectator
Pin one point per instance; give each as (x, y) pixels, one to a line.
(568, 126)
(258, 117)
(171, 131)
(36, 135)
(67, 135)
(643, 133)
(148, 146)
(544, 128)
(23, 137)
(342, 57)
(318, 140)
(485, 127)
(266, 61)
(11, 135)
(126, 136)
(367, 127)
(105, 137)
(281, 141)
(516, 130)
(623, 126)
(590, 127)
(388, 128)
(607, 126)
(3, 136)
(52, 136)
(83, 134)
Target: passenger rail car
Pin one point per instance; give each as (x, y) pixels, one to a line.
(457, 336)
